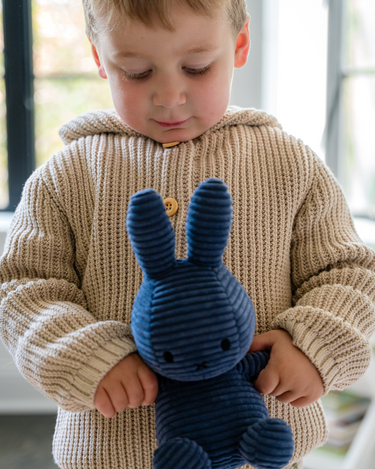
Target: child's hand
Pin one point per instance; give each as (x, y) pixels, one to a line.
(130, 383)
(289, 375)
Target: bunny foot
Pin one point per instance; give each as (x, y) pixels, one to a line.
(180, 453)
(268, 444)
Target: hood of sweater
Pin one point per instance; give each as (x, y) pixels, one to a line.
(104, 122)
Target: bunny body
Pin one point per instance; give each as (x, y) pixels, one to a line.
(193, 324)
(215, 413)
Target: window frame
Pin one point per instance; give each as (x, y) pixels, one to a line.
(20, 116)
(19, 85)
(336, 74)
(334, 86)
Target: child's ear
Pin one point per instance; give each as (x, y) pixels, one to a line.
(94, 51)
(242, 46)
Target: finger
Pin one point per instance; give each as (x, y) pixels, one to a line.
(118, 396)
(288, 396)
(262, 342)
(302, 401)
(149, 383)
(134, 392)
(267, 380)
(281, 388)
(103, 403)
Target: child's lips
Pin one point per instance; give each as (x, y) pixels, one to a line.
(171, 124)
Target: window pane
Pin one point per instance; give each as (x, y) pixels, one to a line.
(60, 43)
(67, 83)
(4, 193)
(359, 144)
(60, 100)
(360, 34)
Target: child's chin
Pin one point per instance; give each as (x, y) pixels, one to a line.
(177, 135)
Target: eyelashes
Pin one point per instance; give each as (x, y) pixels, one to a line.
(197, 71)
(136, 76)
(141, 76)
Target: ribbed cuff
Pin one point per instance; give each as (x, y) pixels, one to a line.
(104, 359)
(340, 352)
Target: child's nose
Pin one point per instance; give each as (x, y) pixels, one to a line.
(169, 95)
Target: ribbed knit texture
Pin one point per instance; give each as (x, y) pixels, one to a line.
(69, 276)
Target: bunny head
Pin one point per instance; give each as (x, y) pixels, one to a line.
(191, 319)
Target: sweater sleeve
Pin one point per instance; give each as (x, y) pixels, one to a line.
(333, 281)
(57, 345)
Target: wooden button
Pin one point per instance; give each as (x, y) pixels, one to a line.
(170, 144)
(171, 205)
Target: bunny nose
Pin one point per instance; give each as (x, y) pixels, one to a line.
(201, 366)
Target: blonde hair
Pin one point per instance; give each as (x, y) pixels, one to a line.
(108, 13)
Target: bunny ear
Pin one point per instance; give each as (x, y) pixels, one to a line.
(209, 220)
(151, 233)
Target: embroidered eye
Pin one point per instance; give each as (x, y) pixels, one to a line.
(225, 344)
(168, 357)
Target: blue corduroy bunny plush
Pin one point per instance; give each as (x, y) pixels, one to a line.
(193, 324)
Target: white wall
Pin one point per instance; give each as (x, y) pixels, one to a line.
(287, 68)
(302, 69)
(255, 85)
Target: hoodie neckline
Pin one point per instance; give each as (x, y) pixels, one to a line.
(108, 121)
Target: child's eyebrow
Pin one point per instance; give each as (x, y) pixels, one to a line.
(196, 50)
(127, 54)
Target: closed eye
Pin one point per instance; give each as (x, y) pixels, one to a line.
(136, 76)
(140, 76)
(197, 71)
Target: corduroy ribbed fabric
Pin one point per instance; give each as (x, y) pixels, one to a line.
(69, 276)
(193, 324)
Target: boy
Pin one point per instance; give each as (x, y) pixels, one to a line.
(68, 273)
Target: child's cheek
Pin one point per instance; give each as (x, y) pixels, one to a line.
(129, 102)
(213, 99)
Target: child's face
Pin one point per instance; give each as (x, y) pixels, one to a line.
(172, 86)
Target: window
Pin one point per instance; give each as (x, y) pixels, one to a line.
(66, 81)
(50, 79)
(351, 102)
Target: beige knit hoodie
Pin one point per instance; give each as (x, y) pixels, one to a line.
(69, 276)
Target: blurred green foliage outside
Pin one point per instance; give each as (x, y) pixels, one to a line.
(66, 81)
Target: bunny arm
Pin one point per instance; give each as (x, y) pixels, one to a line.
(250, 366)
(253, 363)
